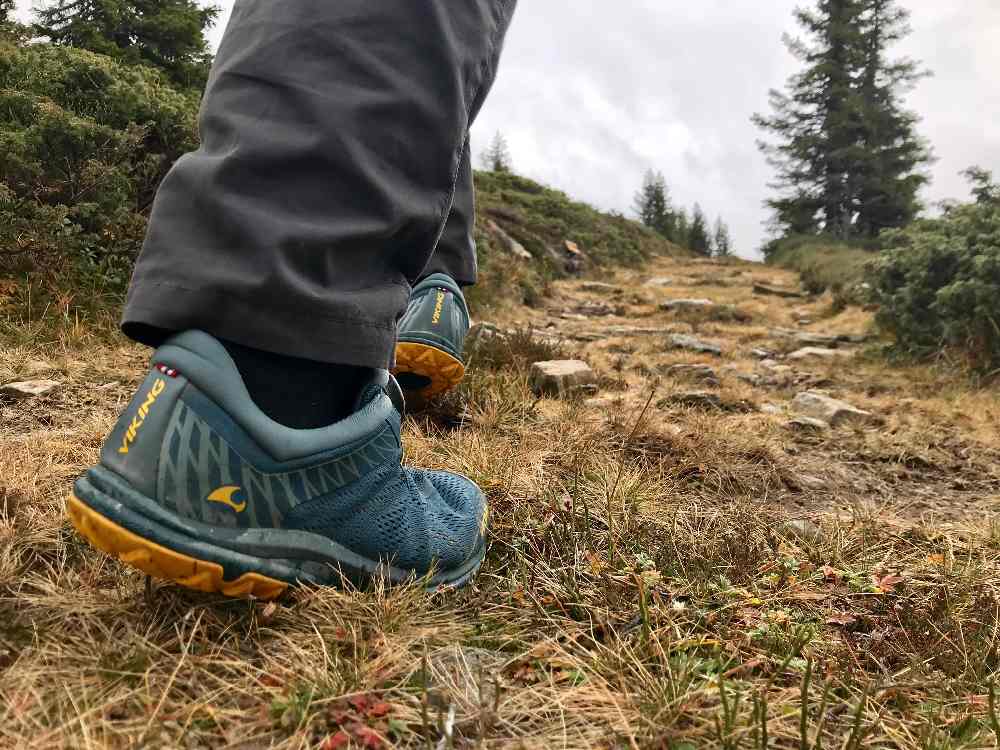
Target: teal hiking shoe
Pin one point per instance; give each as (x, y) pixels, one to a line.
(431, 337)
(198, 486)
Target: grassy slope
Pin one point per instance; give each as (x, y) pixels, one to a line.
(641, 589)
(541, 218)
(824, 264)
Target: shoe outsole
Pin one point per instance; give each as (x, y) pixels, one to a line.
(163, 563)
(443, 370)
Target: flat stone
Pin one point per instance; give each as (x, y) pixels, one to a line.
(804, 530)
(28, 389)
(808, 424)
(509, 244)
(682, 341)
(593, 310)
(600, 287)
(830, 340)
(559, 377)
(659, 281)
(774, 291)
(772, 409)
(635, 331)
(699, 373)
(687, 304)
(816, 352)
(480, 333)
(761, 354)
(834, 412)
(698, 399)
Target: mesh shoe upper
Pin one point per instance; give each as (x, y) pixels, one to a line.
(202, 450)
(437, 315)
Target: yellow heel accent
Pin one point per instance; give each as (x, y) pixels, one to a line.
(443, 370)
(160, 562)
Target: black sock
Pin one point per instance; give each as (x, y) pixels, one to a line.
(299, 393)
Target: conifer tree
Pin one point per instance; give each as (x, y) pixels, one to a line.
(653, 207)
(167, 34)
(496, 157)
(890, 179)
(846, 154)
(699, 240)
(682, 231)
(723, 240)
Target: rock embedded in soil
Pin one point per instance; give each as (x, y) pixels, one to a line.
(816, 352)
(683, 341)
(834, 412)
(697, 399)
(808, 424)
(687, 304)
(761, 354)
(700, 373)
(830, 340)
(28, 389)
(560, 377)
(659, 281)
(805, 530)
(512, 246)
(601, 287)
(773, 291)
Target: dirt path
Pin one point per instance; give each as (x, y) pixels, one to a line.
(931, 450)
(672, 577)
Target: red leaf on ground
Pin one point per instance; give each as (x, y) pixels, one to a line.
(379, 709)
(369, 737)
(339, 740)
(360, 703)
(888, 582)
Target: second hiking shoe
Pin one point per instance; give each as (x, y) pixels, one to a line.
(431, 337)
(197, 485)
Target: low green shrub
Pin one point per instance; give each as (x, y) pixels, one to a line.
(825, 264)
(938, 282)
(84, 143)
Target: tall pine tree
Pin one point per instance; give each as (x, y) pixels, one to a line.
(846, 154)
(699, 240)
(167, 34)
(723, 240)
(496, 157)
(891, 180)
(653, 207)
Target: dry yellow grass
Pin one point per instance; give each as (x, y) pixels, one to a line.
(643, 586)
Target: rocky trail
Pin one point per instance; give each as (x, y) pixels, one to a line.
(719, 519)
(741, 345)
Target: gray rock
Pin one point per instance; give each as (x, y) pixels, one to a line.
(28, 389)
(815, 352)
(681, 341)
(808, 424)
(659, 281)
(698, 373)
(772, 409)
(761, 354)
(821, 407)
(593, 310)
(697, 399)
(481, 333)
(600, 287)
(687, 304)
(560, 377)
(818, 339)
(804, 530)
(774, 291)
(636, 331)
(508, 243)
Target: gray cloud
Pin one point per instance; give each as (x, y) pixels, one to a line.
(591, 94)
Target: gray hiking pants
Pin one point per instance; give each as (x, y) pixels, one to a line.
(333, 173)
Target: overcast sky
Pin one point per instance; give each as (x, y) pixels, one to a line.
(592, 93)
